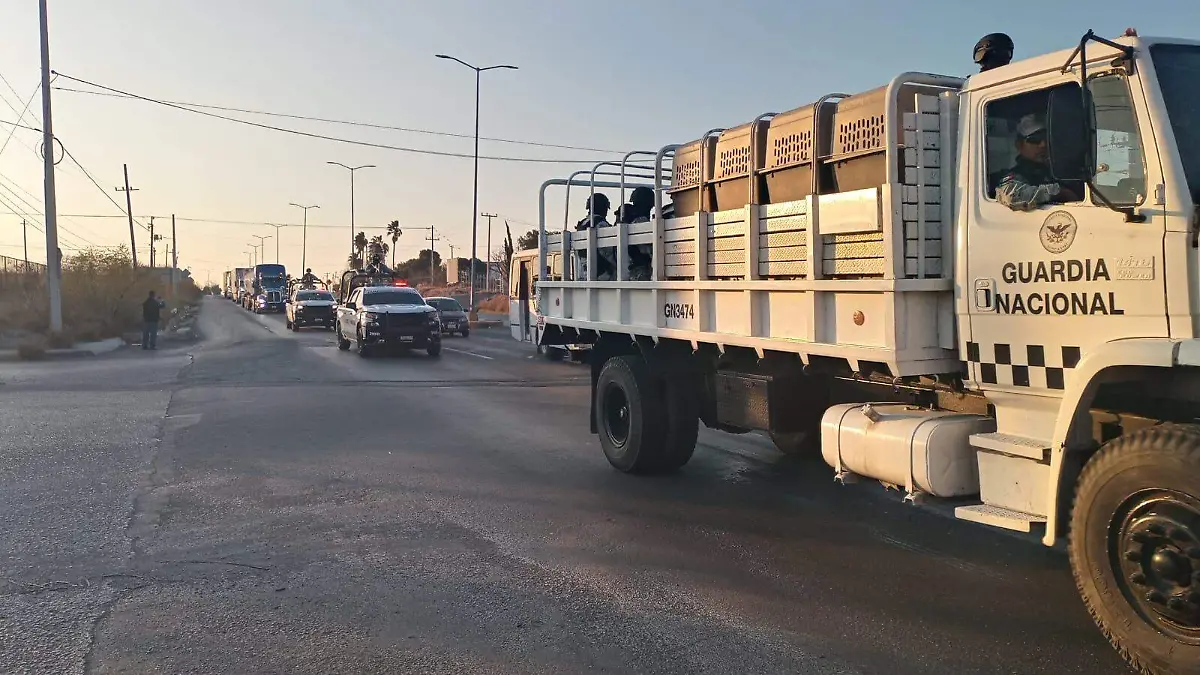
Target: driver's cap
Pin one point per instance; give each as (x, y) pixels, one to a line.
(1030, 125)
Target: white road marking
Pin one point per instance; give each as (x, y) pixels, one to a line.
(460, 351)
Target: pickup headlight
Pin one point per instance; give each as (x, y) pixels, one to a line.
(371, 317)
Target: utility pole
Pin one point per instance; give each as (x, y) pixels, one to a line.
(53, 259)
(487, 263)
(174, 258)
(128, 210)
(25, 241)
(152, 240)
(432, 239)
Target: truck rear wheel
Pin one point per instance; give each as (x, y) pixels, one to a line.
(682, 423)
(629, 414)
(1135, 546)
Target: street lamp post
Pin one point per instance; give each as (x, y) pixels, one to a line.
(304, 243)
(277, 238)
(352, 169)
(475, 185)
(255, 247)
(262, 244)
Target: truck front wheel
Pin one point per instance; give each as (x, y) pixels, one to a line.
(1135, 546)
(630, 415)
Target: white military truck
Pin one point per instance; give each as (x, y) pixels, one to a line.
(843, 277)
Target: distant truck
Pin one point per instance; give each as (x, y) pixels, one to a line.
(268, 288)
(522, 313)
(228, 285)
(241, 285)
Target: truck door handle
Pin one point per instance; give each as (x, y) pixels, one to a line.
(985, 294)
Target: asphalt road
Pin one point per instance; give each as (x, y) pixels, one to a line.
(264, 503)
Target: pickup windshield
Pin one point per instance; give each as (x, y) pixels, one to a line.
(1178, 68)
(313, 295)
(392, 298)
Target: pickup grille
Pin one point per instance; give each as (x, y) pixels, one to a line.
(403, 320)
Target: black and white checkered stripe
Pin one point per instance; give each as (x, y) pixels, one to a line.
(1034, 366)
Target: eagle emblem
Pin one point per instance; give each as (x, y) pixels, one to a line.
(1058, 232)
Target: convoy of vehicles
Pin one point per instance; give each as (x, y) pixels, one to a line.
(843, 277)
(310, 307)
(452, 315)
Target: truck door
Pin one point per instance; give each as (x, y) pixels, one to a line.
(1048, 284)
(523, 298)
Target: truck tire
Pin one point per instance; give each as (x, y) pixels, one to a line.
(797, 443)
(1135, 546)
(629, 414)
(682, 422)
(550, 353)
(342, 343)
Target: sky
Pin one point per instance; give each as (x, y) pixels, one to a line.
(615, 75)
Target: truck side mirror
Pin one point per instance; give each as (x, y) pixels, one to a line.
(1071, 134)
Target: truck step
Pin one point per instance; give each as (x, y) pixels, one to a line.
(998, 517)
(1010, 444)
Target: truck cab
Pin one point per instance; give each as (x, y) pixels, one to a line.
(978, 289)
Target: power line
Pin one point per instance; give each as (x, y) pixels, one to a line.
(306, 134)
(102, 190)
(351, 123)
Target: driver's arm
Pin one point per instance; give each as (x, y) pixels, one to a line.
(1019, 195)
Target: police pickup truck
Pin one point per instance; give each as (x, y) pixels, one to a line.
(310, 307)
(381, 317)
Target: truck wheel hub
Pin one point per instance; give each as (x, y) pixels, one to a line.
(1157, 539)
(616, 415)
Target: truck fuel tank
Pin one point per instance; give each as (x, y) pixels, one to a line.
(916, 448)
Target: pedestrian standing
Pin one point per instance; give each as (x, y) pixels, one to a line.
(151, 311)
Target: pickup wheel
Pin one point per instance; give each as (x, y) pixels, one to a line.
(434, 349)
(361, 345)
(466, 332)
(630, 412)
(1135, 546)
(342, 343)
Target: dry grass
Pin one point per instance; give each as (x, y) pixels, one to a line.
(101, 298)
(497, 304)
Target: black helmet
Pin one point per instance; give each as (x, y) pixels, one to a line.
(993, 50)
(600, 203)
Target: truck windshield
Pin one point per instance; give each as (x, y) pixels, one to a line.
(271, 280)
(1178, 68)
(392, 298)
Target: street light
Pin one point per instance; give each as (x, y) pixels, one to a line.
(304, 244)
(255, 247)
(277, 238)
(351, 169)
(475, 187)
(262, 242)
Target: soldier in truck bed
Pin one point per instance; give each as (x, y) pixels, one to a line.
(1028, 184)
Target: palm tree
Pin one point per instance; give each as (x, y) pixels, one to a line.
(378, 249)
(360, 246)
(394, 231)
